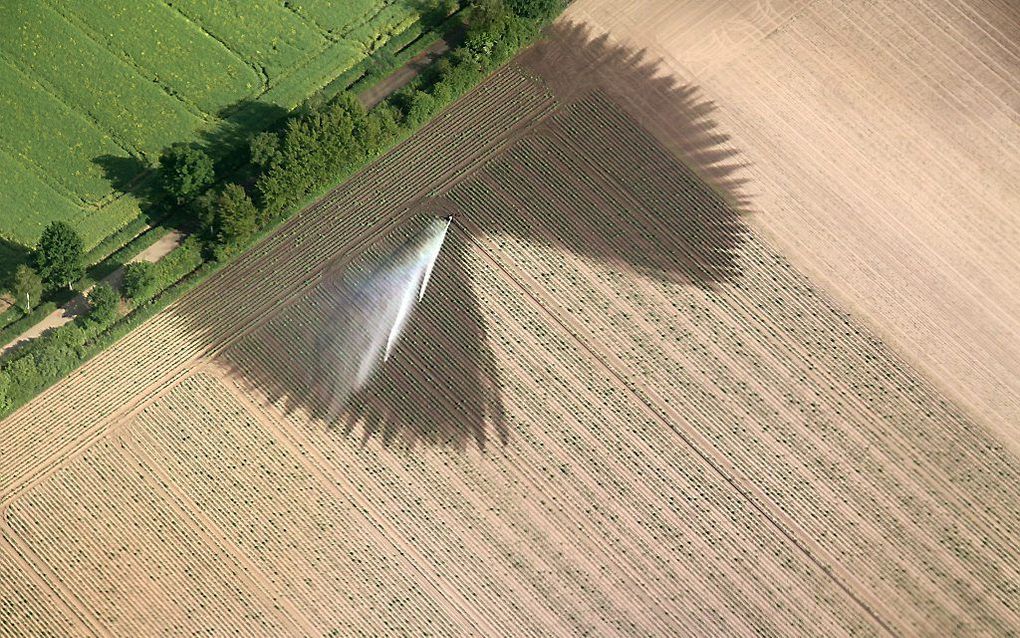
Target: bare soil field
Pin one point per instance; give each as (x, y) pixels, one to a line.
(619, 410)
(881, 143)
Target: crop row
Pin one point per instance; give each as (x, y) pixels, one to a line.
(106, 532)
(585, 468)
(374, 198)
(282, 349)
(309, 542)
(753, 352)
(26, 609)
(224, 306)
(828, 323)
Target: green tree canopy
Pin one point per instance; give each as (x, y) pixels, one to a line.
(105, 303)
(534, 9)
(264, 148)
(185, 171)
(237, 215)
(27, 287)
(139, 279)
(228, 215)
(60, 256)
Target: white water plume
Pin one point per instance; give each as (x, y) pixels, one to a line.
(374, 310)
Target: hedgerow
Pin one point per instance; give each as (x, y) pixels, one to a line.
(318, 145)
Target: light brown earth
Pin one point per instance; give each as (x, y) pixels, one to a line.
(620, 410)
(79, 305)
(403, 76)
(882, 143)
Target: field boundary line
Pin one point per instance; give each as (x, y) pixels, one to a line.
(59, 450)
(60, 456)
(260, 71)
(89, 34)
(263, 410)
(748, 494)
(203, 526)
(165, 383)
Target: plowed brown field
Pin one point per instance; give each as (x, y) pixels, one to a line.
(882, 144)
(620, 409)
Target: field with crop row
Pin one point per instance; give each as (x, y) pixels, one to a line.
(590, 500)
(882, 143)
(224, 306)
(618, 411)
(800, 402)
(94, 90)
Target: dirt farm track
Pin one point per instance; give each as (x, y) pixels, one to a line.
(724, 341)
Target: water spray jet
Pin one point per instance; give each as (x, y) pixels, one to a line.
(376, 309)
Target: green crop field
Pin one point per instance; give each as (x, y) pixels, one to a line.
(92, 90)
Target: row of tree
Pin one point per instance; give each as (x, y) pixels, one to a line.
(57, 261)
(322, 141)
(319, 143)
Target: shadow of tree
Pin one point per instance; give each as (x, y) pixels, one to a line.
(239, 122)
(574, 62)
(629, 170)
(11, 256)
(121, 172)
(132, 175)
(444, 371)
(441, 368)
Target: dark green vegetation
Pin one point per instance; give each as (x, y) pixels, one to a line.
(104, 303)
(93, 90)
(59, 257)
(319, 144)
(185, 171)
(139, 280)
(27, 288)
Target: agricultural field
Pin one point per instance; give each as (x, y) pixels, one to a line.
(620, 409)
(92, 91)
(879, 141)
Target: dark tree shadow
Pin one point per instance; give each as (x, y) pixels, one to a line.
(441, 368)
(11, 256)
(132, 175)
(574, 63)
(122, 172)
(629, 170)
(239, 122)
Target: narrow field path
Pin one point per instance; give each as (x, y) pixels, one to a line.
(402, 76)
(79, 305)
(369, 98)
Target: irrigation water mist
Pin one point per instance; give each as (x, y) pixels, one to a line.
(371, 312)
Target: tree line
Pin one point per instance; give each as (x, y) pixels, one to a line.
(319, 143)
(322, 141)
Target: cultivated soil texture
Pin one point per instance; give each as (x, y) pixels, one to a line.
(619, 410)
(881, 143)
